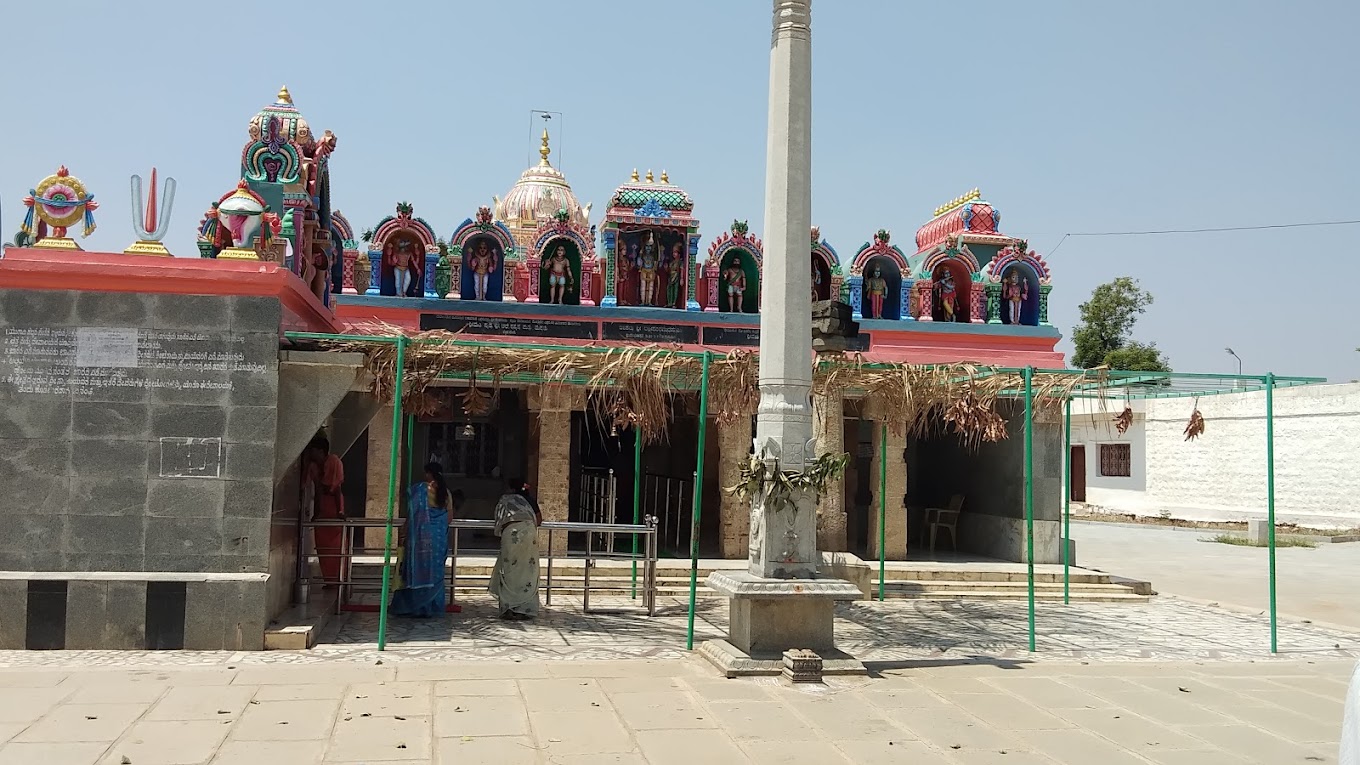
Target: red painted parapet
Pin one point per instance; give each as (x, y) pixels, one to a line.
(36, 269)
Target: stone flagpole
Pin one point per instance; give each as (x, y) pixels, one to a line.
(782, 613)
(784, 542)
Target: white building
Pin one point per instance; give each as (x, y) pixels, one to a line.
(1152, 470)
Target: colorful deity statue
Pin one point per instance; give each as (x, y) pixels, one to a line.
(1015, 293)
(482, 263)
(675, 267)
(649, 260)
(401, 256)
(816, 282)
(876, 290)
(946, 295)
(734, 277)
(241, 225)
(559, 274)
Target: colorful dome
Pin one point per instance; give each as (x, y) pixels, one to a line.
(291, 122)
(537, 196)
(651, 199)
(969, 214)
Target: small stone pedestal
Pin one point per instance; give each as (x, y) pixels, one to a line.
(771, 616)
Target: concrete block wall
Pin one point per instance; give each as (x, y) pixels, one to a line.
(141, 429)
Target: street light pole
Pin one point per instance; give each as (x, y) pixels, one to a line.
(1233, 353)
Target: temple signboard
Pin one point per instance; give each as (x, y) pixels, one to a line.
(643, 332)
(750, 337)
(511, 326)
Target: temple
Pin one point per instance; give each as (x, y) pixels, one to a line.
(222, 405)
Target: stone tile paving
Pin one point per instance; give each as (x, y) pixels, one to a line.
(652, 712)
(1165, 629)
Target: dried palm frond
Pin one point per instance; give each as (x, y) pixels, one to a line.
(1195, 427)
(1124, 420)
(640, 386)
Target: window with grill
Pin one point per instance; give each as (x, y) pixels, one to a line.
(468, 452)
(1116, 460)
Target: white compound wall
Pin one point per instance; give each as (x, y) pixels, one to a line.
(1222, 474)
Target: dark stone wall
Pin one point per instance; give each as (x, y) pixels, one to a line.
(138, 433)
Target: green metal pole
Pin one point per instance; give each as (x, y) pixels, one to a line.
(1067, 502)
(1270, 504)
(1029, 494)
(698, 503)
(637, 496)
(882, 508)
(409, 456)
(393, 468)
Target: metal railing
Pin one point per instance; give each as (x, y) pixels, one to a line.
(671, 501)
(596, 501)
(349, 584)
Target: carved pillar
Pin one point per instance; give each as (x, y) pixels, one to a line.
(587, 281)
(431, 262)
(895, 524)
(925, 288)
(692, 271)
(993, 303)
(1043, 304)
(552, 484)
(456, 272)
(977, 303)
(374, 273)
(904, 305)
(828, 427)
(856, 295)
(350, 257)
(734, 451)
(535, 269)
(712, 282)
(609, 237)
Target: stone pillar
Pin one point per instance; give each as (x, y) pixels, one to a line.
(379, 463)
(734, 450)
(896, 521)
(554, 404)
(829, 430)
(784, 541)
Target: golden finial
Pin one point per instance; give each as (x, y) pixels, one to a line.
(958, 202)
(665, 178)
(634, 178)
(544, 151)
(284, 96)
(650, 177)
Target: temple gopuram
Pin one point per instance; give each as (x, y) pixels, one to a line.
(179, 409)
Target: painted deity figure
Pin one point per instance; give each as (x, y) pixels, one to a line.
(401, 256)
(816, 283)
(946, 294)
(559, 274)
(735, 278)
(876, 290)
(482, 262)
(676, 267)
(649, 260)
(1015, 293)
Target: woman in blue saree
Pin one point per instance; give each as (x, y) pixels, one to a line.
(422, 592)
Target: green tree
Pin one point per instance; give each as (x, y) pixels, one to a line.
(1107, 319)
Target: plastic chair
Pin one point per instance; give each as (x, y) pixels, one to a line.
(937, 518)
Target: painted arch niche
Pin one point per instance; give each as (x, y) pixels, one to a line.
(1019, 295)
(882, 289)
(560, 283)
(403, 248)
(951, 292)
(482, 275)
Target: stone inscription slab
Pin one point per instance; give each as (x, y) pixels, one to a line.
(643, 332)
(191, 457)
(511, 326)
(46, 361)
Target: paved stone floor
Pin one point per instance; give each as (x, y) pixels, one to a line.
(673, 711)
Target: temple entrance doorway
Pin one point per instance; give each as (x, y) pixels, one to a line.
(604, 483)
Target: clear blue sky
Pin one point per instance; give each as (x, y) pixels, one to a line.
(1071, 117)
